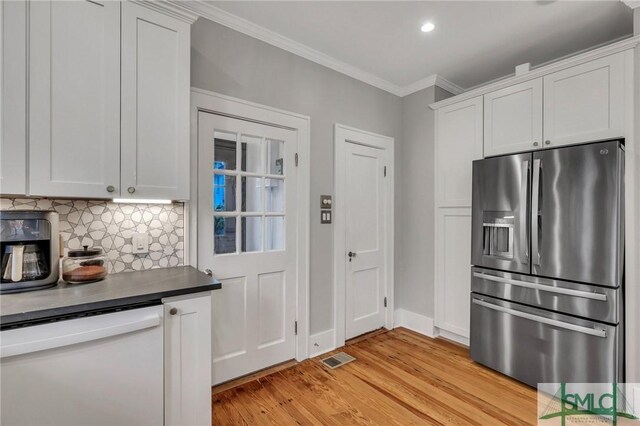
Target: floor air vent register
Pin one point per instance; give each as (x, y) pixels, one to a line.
(337, 360)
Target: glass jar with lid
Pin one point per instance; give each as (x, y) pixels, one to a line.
(84, 266)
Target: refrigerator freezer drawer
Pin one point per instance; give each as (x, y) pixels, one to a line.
(537, 346)
(587, 301)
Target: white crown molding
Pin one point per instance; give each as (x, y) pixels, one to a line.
(222, 17)
(170, 8)
(432, 80)
(551, 67)
(244, 26)
(633, 4)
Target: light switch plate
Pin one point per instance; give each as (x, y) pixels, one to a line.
(325, 216)
(140, 243)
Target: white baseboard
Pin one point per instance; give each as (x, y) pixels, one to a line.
(452, 336)
(321, 343)
(415, 322)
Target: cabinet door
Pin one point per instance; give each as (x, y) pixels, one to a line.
(453, 270)
(458, 143)
(74, 80)
(13, 102)
(586, 102)
(155, 104)
(187, 337)
(513, 118)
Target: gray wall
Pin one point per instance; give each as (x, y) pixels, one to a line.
(415, 254)
(231, 63)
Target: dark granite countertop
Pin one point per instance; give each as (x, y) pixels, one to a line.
(115, 291)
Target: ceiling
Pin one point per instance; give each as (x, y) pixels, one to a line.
(473, 42)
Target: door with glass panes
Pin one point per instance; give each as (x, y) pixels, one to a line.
(246, 237)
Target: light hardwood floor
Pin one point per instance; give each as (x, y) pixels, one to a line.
(399, 378)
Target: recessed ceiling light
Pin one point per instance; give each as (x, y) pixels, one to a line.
(427, 27)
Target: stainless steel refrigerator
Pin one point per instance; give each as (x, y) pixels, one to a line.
(547, 279)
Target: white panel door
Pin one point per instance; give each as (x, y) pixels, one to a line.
(453, 263)
(246, 236)
(13, 102)
(187, 360)
(586, 102)
(74, 92)
(513, 119)
(155, 104)
(365, 203)
(458, 142)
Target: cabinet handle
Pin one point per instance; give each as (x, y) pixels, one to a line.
(173, 311)
(535, 144)
(111, 188)
(131, 190)
(547, 142)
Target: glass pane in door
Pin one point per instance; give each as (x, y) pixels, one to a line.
(224, 193)
(251, 233)
(275, 157)
(224, 151)
(274, 194)
(251, 154)
(224, 234)
(274, 233)
(251, 194)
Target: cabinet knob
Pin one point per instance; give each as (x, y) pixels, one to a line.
(111, 188)
(535, 144)
(547, 142)
(173, 311)
(131, 190)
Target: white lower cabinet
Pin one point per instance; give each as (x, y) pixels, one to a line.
(453, 273)
(187, 360)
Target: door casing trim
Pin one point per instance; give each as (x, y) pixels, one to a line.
(343, 135)
(212, 102)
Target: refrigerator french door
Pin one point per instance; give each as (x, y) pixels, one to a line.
(547, 255)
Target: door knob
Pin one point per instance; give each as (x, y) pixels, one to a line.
(352, 254)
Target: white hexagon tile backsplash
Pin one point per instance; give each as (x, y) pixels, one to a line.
(110, 226)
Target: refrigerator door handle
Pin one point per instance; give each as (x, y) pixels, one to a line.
(524, 181)
(535, 192)
(560, 324)
(559, 290)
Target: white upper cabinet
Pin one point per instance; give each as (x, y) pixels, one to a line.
(458, 143)
(513, 118)
(74, 102)
(586, 102)
(155, 104)
(13, 102)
